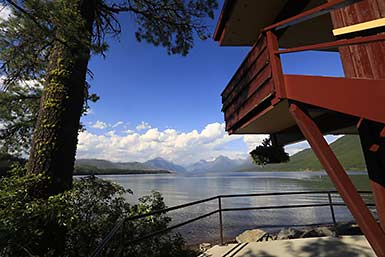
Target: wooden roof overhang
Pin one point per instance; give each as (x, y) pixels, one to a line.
(241, 21)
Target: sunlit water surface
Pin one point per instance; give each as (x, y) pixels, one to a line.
(179, 189)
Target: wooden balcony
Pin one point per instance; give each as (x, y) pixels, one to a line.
(256, 100)
(251, 85)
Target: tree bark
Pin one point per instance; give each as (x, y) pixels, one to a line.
(55, 137)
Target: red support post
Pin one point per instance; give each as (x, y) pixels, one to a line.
(373, 148)
(341, 180)
(379, 199)
(275, 62)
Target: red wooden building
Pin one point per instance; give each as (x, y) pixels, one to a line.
(261, 99)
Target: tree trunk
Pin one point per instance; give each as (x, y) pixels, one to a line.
(55, 138)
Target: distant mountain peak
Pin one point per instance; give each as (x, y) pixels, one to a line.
(161, 163)
(221, 157)
(158, 159)
(220, 163)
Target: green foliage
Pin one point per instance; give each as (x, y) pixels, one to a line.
(74, 222)
(172, 23)
(269, 152)
(19, 105)
(26, 40)
(7, 162)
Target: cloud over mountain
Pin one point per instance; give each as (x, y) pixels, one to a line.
(179, 147)
(117, 142)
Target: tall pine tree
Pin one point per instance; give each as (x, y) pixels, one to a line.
(52, 41)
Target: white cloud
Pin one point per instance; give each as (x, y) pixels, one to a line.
(111, 133)
(89, 111)
(5, 12)
(99, 125)
(180, 147)
(129, 131)
(117, 124)
(143, 125)
(252, 141)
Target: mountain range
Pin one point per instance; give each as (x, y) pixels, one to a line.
(347, 149)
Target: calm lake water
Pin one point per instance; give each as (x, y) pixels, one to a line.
(178, 189)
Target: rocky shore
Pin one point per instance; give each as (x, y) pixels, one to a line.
(258, 235)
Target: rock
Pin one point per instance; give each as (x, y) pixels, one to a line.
(317, 232)
(288, 233)
(250, 236)
(348, 229)
(204, 247)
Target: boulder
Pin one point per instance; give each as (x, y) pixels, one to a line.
(204, 247)
(288, 233)
(250, 236)
(317, 232)
(348, 229)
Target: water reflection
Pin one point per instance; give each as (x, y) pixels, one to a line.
(179, 189)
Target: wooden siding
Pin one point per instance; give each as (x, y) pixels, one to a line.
(251, 84)
(362, 61)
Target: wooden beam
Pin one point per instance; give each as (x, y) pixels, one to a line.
(276, 65)
(360, 27)
(335, 44)
(290, 9)
(309, 14)
(224, 16)
(340, 121)
(357, 97)
(341, 180)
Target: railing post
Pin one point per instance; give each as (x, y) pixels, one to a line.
(276, 65)
(333, 216)
(220, 218)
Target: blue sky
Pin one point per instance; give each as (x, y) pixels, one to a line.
(153, 104)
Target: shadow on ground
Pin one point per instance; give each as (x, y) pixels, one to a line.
(314, 248)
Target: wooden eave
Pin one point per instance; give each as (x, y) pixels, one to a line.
(241, 21)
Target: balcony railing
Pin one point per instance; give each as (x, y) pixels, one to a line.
(251, 84)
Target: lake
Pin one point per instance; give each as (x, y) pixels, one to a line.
(179, 189)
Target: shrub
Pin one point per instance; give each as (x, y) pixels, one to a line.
(75, 222)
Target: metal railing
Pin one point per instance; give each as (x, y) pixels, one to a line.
(221, 210)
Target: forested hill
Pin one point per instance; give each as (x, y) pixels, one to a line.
(347, 149)
(95, 166)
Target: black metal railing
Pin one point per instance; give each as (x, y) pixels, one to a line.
(221, 210)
